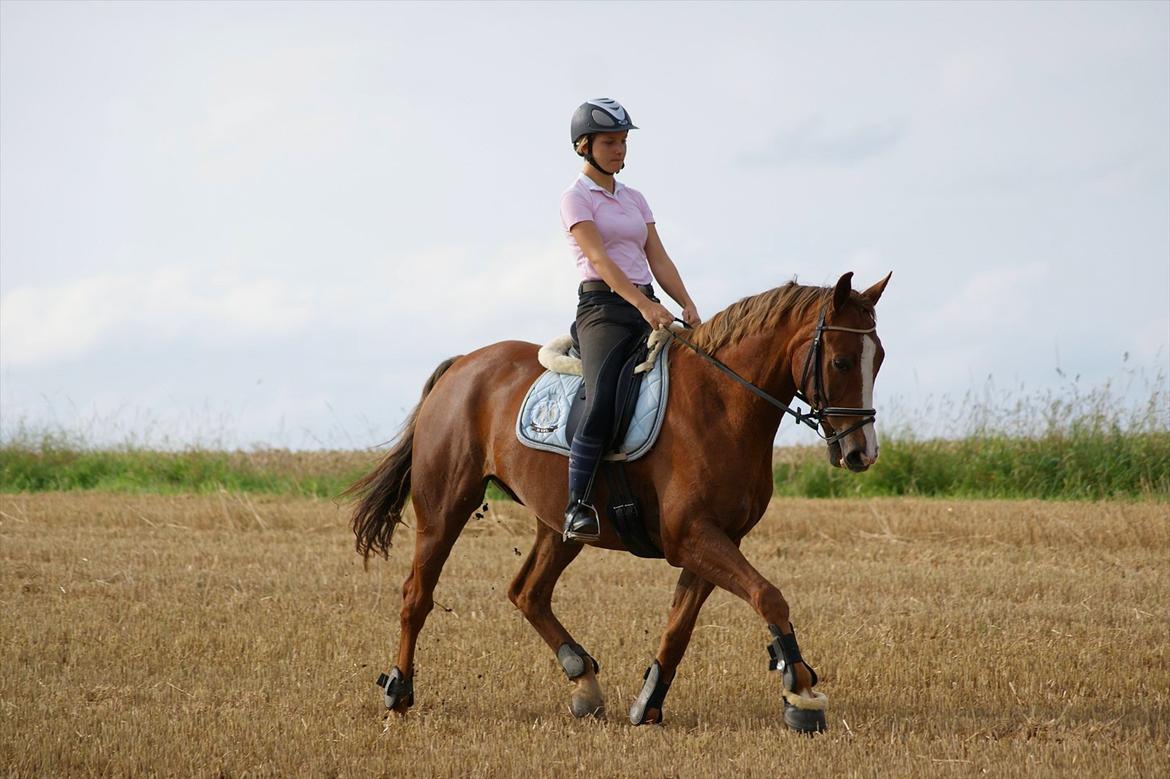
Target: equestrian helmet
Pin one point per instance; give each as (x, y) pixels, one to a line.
(600, 115)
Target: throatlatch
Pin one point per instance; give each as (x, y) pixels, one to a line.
(573, 659)
(652, 696)
(396, 688)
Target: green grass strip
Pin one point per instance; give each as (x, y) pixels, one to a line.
(1071, 467)
(1080, 466)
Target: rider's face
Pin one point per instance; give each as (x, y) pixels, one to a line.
(609, 149)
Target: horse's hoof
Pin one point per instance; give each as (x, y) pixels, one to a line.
(804, 721)
(805, 713)
(581, 708)
(587, 699)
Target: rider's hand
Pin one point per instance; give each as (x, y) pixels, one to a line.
(690, 315)
(656, 314)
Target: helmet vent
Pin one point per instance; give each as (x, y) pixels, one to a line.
(602, 118)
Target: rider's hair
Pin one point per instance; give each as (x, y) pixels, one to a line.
(582, 146)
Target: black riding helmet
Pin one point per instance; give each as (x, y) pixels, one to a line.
(600, 115)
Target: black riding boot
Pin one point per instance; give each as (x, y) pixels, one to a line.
(581, 522)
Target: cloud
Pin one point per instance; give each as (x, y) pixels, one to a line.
(40, 324)
(813, 141)
(991, 299)
(972, 76)
(1151, 339)
(458, 290)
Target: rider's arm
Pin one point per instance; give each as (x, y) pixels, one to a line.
(589, 239)
(664, 269)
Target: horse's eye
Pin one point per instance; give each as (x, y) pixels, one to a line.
(841, 363)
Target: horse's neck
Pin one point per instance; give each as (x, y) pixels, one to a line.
(764, 359)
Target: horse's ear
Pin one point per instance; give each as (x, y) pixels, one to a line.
(873, 293)
(841, 293)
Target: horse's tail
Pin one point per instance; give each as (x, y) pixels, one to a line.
(383, 491)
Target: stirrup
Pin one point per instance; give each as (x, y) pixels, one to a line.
(571, 517)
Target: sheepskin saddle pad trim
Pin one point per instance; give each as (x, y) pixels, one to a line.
(559, 356)
(819, 701)
(544, 413)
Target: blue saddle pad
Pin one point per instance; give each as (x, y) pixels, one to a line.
(544, 413)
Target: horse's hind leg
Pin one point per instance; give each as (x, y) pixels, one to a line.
(437, 527)
(531, 592)
(689, 596)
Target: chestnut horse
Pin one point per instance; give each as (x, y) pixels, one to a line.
(702, 487)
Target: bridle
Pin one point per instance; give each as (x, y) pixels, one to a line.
(818, 412)
(813, 364)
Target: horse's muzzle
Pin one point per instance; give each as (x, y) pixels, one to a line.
(856, 461)
(833, 451)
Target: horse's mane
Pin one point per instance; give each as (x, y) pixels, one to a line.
(761, 312)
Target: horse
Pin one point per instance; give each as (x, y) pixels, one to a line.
(703, 486)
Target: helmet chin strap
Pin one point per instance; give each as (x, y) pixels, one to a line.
(593, 162)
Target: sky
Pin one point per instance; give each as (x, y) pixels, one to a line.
(264, 224)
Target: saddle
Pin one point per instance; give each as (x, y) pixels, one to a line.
(626, 396)
(555, 405)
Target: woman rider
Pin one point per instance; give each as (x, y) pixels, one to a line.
(612, 234)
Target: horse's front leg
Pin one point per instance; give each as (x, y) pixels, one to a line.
(532, 592)
(689, 596)
(709, 553)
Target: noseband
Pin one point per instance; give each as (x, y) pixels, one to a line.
(818, 412)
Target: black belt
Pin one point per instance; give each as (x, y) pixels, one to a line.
(601, 286)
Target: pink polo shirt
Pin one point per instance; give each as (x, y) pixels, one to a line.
(621, 218)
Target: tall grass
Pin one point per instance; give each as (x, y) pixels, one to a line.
(1108, 465)
(1071, 443)
(57, 461)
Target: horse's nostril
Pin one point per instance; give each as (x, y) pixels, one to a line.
(853, 460)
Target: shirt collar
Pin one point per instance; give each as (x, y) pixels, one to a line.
(591, 184)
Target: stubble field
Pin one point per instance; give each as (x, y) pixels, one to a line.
(238, 635)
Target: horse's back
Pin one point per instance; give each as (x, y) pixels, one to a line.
(479, 394)
(500, 364)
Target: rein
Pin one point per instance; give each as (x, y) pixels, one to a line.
(817, 413)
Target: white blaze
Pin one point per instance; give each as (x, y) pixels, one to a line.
(868, 352)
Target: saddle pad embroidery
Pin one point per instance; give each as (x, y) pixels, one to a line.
(545, 411)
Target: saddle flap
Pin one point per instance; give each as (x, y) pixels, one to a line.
(627, 393)
(552, 409)
(626, 400)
